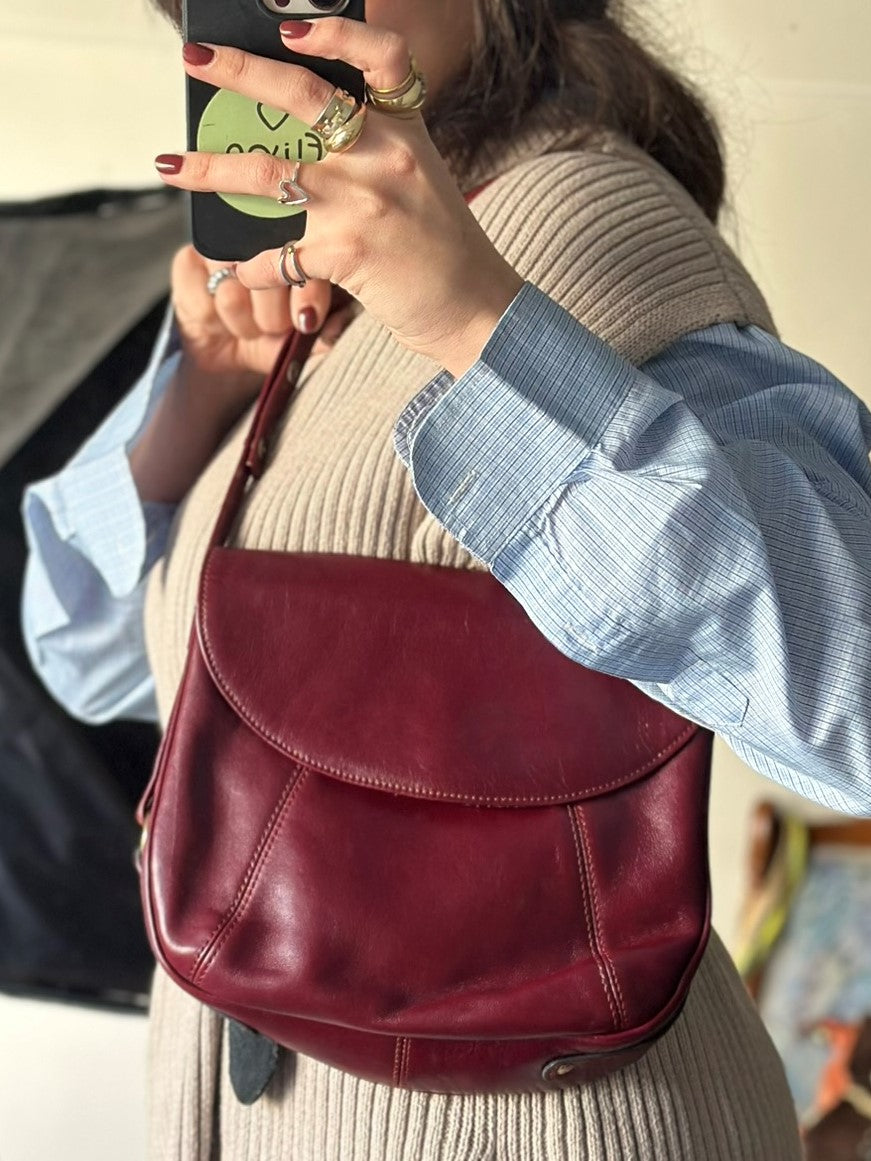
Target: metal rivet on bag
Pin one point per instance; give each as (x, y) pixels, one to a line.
(561, 1070)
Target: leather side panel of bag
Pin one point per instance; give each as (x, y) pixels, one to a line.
(440, 945)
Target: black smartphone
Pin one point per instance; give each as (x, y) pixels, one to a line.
(232, 227)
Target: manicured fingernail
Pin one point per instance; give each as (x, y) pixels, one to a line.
(295, 29)
(198, 54)
(168, 162)
(307, 321)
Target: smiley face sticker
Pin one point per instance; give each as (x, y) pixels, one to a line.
(234, 124)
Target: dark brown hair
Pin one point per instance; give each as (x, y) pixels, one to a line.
(578, 55)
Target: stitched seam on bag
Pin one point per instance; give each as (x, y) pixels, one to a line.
(588, 918)
(234, 913)
(249, 871)
(415, 791)
(609, 963)
(397, 1061)
(243, 903)
(406, 1061)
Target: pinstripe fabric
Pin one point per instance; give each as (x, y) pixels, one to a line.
(701, 527)
(91, 542)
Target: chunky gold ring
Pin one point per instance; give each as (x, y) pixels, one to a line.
(402, 88)
(345, 136)
(404, 98)
(291, 192)
(299, 277)
(340, 108)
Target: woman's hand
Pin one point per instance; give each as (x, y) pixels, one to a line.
(229, 340)
(385, 220)
(236, 333)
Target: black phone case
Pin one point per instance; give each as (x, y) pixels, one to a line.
(217, 229)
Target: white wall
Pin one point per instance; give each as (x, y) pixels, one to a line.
(91, 91)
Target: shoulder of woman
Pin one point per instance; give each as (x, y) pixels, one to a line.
(609, 234)
(607, 176)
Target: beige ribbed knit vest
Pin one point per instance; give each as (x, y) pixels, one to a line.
(612, 238)
(603, 230)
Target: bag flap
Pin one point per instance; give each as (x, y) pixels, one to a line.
(419, 680)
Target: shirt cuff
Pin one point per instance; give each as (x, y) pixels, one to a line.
(488, 450)
(92, 505)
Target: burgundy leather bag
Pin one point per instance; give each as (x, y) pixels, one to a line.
(393, 828)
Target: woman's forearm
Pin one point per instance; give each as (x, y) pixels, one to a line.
(195, 413)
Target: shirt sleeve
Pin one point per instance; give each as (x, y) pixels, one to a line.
(700, 526)
(91, 545)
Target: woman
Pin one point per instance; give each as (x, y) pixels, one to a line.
(635, 513)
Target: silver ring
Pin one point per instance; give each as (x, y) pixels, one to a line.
(218, 277)
(300, 278)
(291, 192)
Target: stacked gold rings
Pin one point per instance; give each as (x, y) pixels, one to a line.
(340, 122)
(405, 98)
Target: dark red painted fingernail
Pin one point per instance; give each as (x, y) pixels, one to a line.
(198, 54)
(295, 29)
(307, 322)
(168, 162)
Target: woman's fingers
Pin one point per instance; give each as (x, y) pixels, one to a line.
(246, 314)
(229, 173)
(231, 302)
(381, 56)
(270, 310)
(289, 87)
(229, 305)
(262, 271)
(251, 174)
(190, 275)
(310, 305)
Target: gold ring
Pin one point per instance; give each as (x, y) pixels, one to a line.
(299, 277)
(340, 108)
(402, 88)
(404, 98)
(291, 192)
(345, 136)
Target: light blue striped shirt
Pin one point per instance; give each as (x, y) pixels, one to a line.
(701, 527)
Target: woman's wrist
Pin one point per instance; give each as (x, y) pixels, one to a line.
(461, 350)
(216, 398)
(466, 308)
(194, 415)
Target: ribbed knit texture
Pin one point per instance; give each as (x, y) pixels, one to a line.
(712, 1089)
(612, 238)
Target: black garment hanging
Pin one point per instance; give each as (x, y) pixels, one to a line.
(83, 282)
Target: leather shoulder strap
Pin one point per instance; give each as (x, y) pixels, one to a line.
(275, 394)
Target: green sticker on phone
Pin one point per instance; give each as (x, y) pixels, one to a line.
(234, 124)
